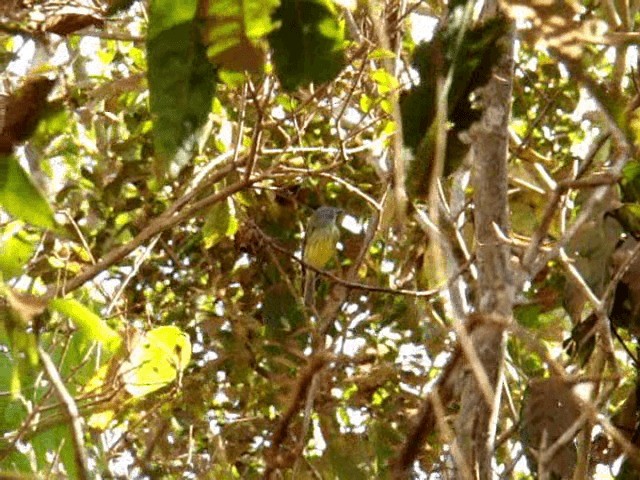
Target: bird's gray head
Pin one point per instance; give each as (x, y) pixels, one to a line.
(327, 214)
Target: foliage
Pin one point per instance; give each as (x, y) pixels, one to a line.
(308, 44)
(156, 175)
(181, 81)
(466, 54)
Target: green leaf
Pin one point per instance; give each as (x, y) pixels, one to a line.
(20, 197)
(366, 103)
(386, 82)
(12, 410)
(471, 58)
(221, 222)
(342, 455)
(181, 82)
(381, 54)
(16, 248)
(88, 323)
(630, 182)
(78, 358)
(55, 441)
(166, 14)
(23, 349)
(17, 314)
(15, 462)
(629, 217)
(234, 32)
(309, 45)
(156, 360)
(281, 310)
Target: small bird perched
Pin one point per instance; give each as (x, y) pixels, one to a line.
(319, 245)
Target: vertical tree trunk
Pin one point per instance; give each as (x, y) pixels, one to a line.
(476, 423)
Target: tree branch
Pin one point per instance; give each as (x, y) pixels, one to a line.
(476, 424)
(73, 416)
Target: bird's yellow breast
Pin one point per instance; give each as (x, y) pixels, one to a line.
(320, 247)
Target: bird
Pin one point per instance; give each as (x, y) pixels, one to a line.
(320, 241)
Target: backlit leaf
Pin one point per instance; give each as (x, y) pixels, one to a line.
(234, 32)
(156, 360)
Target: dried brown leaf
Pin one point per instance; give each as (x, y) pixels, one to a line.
(555, 25)
(549, 410)
(21, 111)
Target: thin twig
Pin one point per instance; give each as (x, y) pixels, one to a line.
(73, 416)
(134, 271)
(156, 226)
(274, 456)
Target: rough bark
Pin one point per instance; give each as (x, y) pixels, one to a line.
(476, 422)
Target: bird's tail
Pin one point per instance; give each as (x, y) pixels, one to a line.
(309, 288)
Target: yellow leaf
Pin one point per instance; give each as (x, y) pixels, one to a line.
(155, 360)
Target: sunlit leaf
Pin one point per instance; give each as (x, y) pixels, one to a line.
(385, 81)
(166, 14)
(156, 360)
(88, 323)
(630, 181)
(101, 420)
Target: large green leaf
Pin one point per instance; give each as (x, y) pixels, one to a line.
(234, 32)
(20, 197)
(343, 457)
(309, 45)
(88, 323)
(181, 81)
(281, 310)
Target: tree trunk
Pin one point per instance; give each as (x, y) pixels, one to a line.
(476, 423)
